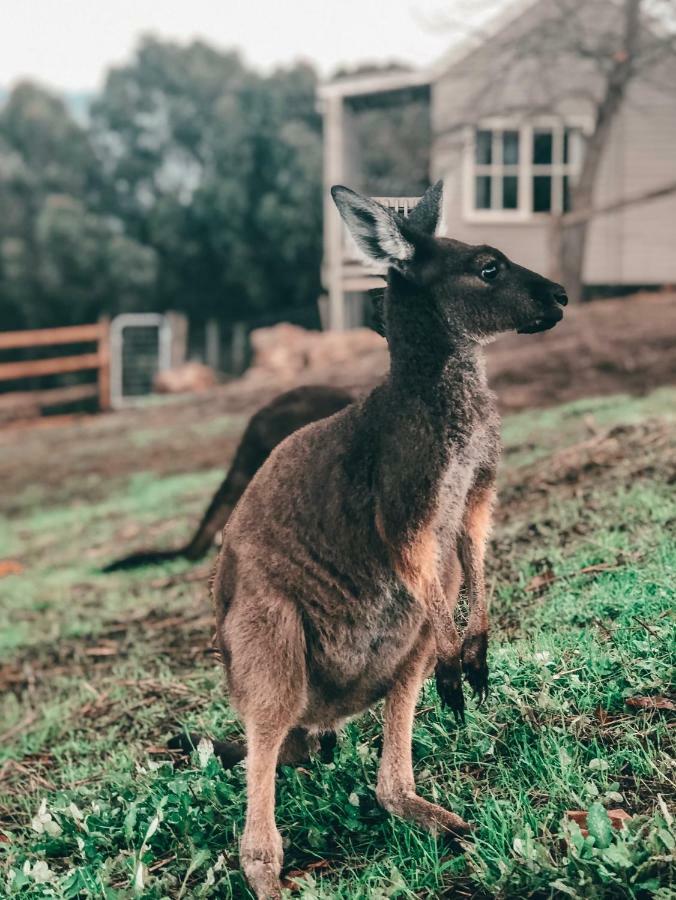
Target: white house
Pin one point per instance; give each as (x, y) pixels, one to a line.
(507, 138)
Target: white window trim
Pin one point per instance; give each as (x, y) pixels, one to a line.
(523, 214)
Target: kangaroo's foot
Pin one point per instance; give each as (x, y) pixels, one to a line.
(406, 804)
(261, 860)
(448, 676)
(474, 664)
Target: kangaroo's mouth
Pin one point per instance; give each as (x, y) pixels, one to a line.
(544, 322)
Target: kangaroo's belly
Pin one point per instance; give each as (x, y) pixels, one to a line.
(354, 660)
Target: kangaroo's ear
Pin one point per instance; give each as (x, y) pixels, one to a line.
(376, 231)
(425, 215)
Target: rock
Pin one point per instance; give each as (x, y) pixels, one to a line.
(287, 351)
(191, 377)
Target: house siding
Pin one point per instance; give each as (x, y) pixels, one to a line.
(634, 246)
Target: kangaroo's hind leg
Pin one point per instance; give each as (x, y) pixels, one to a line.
(264, 649)
(261, 852)
(396, 787)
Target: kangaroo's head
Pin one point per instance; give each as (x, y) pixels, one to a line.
(475, 291)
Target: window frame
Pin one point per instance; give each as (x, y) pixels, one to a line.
(525, 169)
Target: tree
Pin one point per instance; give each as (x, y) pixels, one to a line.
(60, 262)
(219, 171)
(590, 51)
(53, 149)
(195, 185)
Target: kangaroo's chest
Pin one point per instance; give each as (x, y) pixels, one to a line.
(466, 458)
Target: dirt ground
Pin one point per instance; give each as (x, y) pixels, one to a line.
(608, 347)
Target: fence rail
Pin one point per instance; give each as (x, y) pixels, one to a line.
(44, 337)
(98, 360)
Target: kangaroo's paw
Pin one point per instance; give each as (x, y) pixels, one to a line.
(474, 665)
(449, 685)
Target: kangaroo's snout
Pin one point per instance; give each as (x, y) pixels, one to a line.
(548, 298)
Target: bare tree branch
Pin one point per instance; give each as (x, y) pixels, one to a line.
(584, 215)
(559, 51)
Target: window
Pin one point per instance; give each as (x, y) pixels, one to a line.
(496, 164)
(516, 172)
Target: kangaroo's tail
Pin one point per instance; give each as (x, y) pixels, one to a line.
(214, 519)
(267, 428)
(143, 558)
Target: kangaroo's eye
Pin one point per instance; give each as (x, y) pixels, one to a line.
(489, 272)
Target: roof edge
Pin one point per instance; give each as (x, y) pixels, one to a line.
(381, 83)
(493, 27)
(375, 83)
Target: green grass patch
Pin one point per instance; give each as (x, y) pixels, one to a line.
(98, 671)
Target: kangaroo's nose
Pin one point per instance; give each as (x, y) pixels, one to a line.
(561, 296)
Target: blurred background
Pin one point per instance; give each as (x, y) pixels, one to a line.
(164, 175)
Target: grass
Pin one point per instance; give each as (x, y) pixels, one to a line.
(98, 671)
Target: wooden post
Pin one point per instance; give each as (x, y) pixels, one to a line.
(238, 348)
(179, 338)
(104, 363)
(212, 344)
(333, 226)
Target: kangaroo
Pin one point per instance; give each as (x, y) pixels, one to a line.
(340, 567)
(270, 425)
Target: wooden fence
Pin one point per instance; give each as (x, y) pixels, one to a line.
(98, 360)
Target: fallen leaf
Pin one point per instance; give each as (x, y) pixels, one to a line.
(289, 882)
(617, 817)
(544, 579)
(579, 816)
(601, 567)
(10, 567)
(538, 582)
(650, 703)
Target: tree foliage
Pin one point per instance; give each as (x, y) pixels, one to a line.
(194, 185)
(61, 260)
(218, 169)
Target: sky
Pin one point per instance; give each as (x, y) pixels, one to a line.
(68, 44)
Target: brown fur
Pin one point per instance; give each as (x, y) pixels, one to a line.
(340, 567)
(416, 565)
